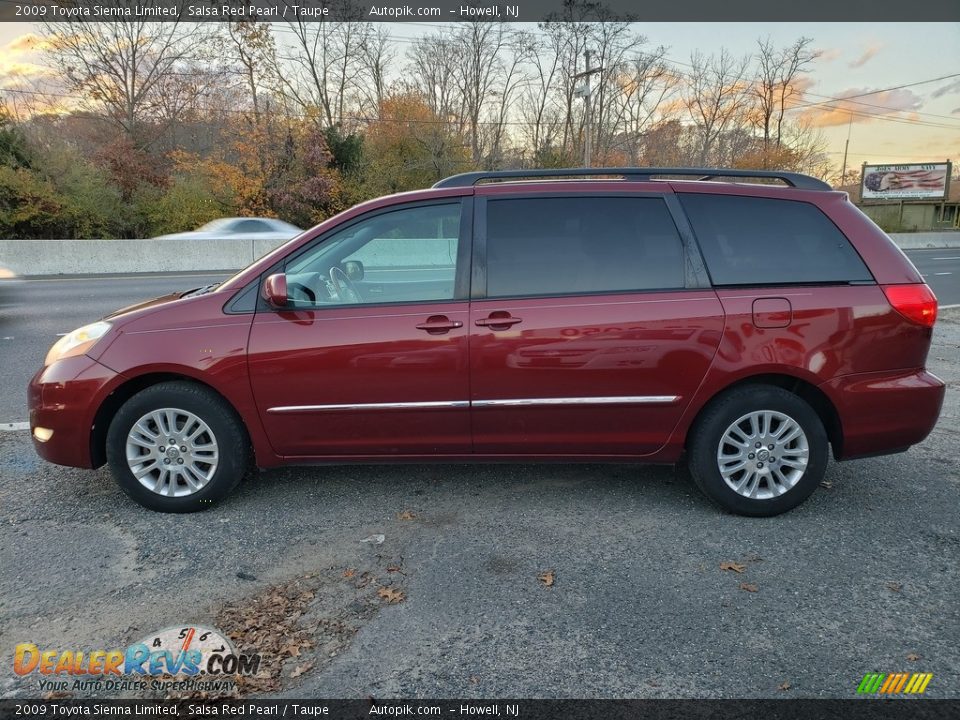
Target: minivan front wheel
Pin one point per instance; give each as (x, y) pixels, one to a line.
(759, 450)
(176, 447)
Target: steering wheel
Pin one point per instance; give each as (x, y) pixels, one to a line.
(345, 287)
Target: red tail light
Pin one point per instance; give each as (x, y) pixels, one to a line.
(916, 303)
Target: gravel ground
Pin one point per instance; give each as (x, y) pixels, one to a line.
(862, 578)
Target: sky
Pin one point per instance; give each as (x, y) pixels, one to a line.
(920, 123)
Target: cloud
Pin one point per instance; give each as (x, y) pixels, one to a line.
(867, 55)
(29, 42)
(899, 103)
(15, 66)
(948, 89)
(828, 55)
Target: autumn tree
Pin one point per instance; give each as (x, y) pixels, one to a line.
(410, 147)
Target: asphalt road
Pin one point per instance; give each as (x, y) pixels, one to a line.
(941, 270)
(861, 578)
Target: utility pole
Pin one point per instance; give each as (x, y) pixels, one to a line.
(586, 103)
(585, 92)
(843, 172)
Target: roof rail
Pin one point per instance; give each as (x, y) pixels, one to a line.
(634, 174)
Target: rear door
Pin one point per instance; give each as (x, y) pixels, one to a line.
(592, 323)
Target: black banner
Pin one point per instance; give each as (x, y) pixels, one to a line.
(479, 10)
(854, 709)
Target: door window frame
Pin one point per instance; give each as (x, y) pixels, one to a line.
(694, 269)
(461, 285)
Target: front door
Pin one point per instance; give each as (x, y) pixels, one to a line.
(587, 339)
(370, 355)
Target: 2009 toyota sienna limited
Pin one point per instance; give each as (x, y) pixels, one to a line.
(630, 314)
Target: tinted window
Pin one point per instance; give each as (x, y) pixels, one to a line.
(555, 246)
(406, 255)
(764, 241)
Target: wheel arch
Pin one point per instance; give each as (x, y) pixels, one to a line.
(123, 392)
(806, 391)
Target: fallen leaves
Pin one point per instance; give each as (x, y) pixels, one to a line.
(407, 515)
(913, 657)
(269, 624)
(748, 587)
(547, 577)
(734, 566)
(391, 595)
(349, 573)
(300, 670)
(785, 685)
(894, 586)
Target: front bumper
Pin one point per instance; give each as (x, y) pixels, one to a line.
(885, 412)
(63, 399)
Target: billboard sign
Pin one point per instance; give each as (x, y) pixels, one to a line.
(905, 182)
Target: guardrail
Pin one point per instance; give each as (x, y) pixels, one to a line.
(92, 257)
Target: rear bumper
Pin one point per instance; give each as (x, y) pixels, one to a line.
(885, 412)
(63, 398)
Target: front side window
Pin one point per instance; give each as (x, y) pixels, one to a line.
(768, 241)
(571, 245)
(405, 255)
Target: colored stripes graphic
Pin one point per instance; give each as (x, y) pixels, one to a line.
(894, 683)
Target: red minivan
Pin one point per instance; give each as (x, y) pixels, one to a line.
(640, 315)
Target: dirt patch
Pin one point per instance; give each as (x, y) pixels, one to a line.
(300, 626)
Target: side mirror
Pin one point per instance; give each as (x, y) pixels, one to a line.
(275, 290)
(353, 269)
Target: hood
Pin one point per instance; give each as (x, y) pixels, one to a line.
(146, 304)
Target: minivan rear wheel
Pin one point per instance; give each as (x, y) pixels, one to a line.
(758, 450)
(177, 447)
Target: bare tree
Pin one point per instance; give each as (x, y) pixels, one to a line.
(540, 113)
(326, 67)
(121, 66)
(776, 82)
(716, 97)
(646, 86)
(377, 54)
(250, 44)
(433, 71)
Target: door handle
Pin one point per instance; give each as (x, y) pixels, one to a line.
(439, 324)
(498, 321)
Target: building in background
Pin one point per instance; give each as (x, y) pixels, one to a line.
(908, 197)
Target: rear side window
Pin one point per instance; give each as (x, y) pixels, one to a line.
(558, 246)
(766, 241)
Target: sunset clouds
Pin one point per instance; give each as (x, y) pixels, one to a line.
(18, 61)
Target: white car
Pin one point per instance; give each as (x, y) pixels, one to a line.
(266, 228)
(9, 281)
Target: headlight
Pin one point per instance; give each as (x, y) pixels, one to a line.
(77, 342)
(6, 274)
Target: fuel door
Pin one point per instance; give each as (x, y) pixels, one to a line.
(772, 312)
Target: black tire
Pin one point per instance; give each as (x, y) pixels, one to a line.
(704, 443)
(233, 448)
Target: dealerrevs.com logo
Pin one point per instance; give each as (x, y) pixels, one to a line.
(174, 658)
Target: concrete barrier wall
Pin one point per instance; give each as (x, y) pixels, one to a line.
(89, 257)
(921, 240)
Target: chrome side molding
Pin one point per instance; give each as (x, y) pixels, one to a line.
(512, 402)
